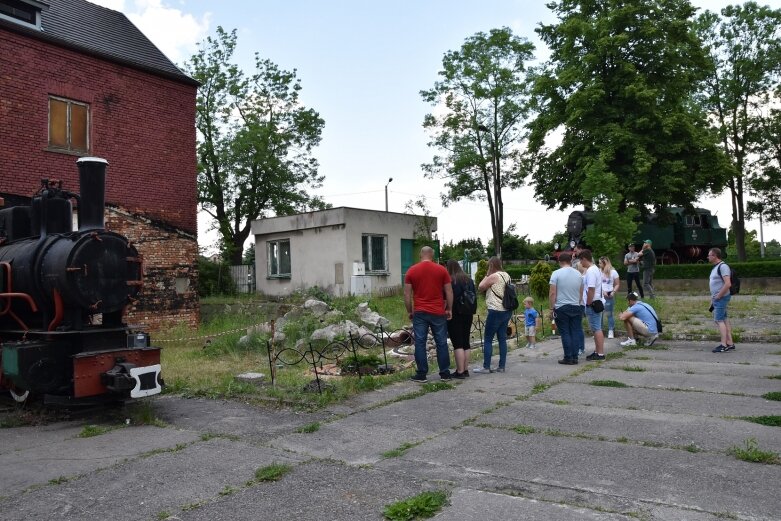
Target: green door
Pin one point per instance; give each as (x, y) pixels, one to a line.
(407, 256)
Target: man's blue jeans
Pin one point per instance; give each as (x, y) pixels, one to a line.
(421, 322)
(569, 322)
(495, 324)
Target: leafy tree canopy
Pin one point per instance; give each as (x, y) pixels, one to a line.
(481, 105)
(255, 142)
(616, 126)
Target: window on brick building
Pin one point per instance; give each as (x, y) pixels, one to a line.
(278, 258)
(374, 249)
(68, 125)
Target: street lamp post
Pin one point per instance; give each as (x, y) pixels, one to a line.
(386, 193)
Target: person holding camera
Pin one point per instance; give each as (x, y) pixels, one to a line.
(610, 284)
(640, 320)
(595, 304)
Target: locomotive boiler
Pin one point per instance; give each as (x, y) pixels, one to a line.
(63, 297)
(678, 236)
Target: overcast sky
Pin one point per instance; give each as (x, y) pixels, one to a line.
(362, 64)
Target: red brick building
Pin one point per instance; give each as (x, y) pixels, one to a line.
(77, 79)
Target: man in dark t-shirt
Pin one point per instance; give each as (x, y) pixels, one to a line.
(427, 286)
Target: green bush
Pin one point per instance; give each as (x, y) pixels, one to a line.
(539, 281)
(214, 278)
(702, 271)
(482, 269)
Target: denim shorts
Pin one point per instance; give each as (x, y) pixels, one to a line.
(720, 308)
(594, 320)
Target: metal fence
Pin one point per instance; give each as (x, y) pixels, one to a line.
(244, 278)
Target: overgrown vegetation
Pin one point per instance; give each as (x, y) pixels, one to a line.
(422, 506)
(273, 472)
(770, 421)
(751, 452)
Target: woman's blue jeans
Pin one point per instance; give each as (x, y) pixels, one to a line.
(569, 322)
(495, 324)
(610, 305)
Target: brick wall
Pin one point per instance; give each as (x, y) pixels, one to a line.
(144, 125)
(169, 295)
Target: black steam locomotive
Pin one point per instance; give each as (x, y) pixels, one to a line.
(677, 236)
(63, 295)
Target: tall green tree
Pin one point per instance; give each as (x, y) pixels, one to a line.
(616, 127)
(481, 105)
(765, 183)
(255, 142)
(744, 45)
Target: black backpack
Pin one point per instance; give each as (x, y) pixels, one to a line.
(467, 302)
(734, 288)
(510, 296)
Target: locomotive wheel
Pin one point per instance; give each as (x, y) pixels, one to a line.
(19, 398)
(670, 257)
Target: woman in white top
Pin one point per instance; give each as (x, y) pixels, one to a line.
(498, 317)
(610, 284)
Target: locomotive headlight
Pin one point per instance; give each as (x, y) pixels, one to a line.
(556, 246)
(572, 245)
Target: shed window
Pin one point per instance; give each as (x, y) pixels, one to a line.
(279, 258)
(25, 13)
(68, 125)
(375, 253)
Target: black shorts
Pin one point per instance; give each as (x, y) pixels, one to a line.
(458, 329)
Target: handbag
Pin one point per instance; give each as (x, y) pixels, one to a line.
(597, 306)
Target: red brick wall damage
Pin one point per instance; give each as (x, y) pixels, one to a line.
(169, 296)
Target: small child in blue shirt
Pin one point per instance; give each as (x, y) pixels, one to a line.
(530, 314)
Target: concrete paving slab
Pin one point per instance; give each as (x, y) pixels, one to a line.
(314, 491)
(363, 437)
(145, 487)
(25, 438)
(232, 418)
(467, 504)
(712, 383)
(680, 402)
(670, 429)
(754, 354)
(749, 371)
(74, 456)
(598, 473)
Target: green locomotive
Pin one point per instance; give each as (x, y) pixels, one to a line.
(677, 236)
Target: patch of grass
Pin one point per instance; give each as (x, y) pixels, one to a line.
(193, 506)
(432, 387)
(775, 395)
(560, 402)
(693, 447)
(622, 439)
(14, 420)
(540, 387)
(228, 490)
(774, 377)
(770, 421)
(400, 450)
(59, 481)
(94, 430)
(634, 368)
(422, 506)
(524, 429)
(273, 472)
(642, 358)
(751, 452)
(615, 356)
(607, 383)
(776, 353)
(143, 413)
(163, 515)
(307, 429)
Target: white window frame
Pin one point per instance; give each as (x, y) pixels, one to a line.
(366, 253)
(270, 246)
(36, 7)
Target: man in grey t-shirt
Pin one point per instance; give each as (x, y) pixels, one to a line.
(648, 260)
(720, 282)
(566, 304)
(632, 263)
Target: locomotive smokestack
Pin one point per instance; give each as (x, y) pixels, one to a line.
(92, 187)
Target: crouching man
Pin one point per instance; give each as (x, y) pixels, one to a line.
(639, 320)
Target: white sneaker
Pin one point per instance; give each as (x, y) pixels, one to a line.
(629, 342)
(480, 370)
(652, 340)
(610, 334)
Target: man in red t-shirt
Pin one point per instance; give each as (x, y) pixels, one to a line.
(429, 284)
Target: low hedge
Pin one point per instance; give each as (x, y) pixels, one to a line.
(763, 269)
